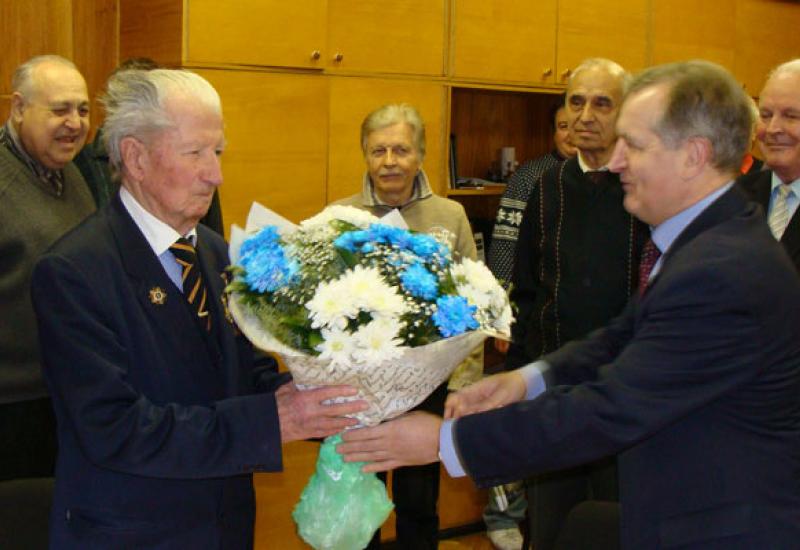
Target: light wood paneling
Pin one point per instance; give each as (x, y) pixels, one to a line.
(352, 99)
(687, 29)
(387, 37)
(254, 32)
(276, 150)
(152, 28)
(766, 35)
(615, 29)
(504, 40)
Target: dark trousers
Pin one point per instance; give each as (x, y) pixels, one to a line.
(28, 433)
(415, 493)
(552, 496)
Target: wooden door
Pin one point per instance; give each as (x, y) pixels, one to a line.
(256, 32)
(766, 35)
(352, 99)
(275, 128)
(615, 29)
(687, 29)
(386, 37)
(503, 40)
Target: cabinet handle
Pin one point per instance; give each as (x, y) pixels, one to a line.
(315, 55)
(338, 57)
(547, 72)
(565, 74)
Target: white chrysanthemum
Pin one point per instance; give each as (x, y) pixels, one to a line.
(331, 306)
(368, 291)
(350, 214)
(337, 345)
(378, 341)
(478, 285)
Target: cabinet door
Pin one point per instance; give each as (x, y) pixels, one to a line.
(276, 142)
(504, 40)
(386, 37)
(352, 99)
(615, 29)
(687, 29)
(766, 35)
(256, 32)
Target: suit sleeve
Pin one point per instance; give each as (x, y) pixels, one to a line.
(697, 340)
(87, 368)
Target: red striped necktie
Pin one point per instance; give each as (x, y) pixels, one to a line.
(650, 255)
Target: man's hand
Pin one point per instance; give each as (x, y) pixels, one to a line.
(492, 392)
(409, 440)
(304, 414)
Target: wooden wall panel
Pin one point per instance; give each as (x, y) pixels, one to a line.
(152, 28)
(276, 155)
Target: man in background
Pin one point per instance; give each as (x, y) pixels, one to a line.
(42, 196)
(507, 504)
(574, 270)
(777, 189)
(162, 414)
(393, 143)
(93, 163)
(695, 385)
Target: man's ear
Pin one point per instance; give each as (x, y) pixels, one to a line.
(133, 154)
(698, 156)
(17, 107)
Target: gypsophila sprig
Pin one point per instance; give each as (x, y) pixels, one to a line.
(347, 288)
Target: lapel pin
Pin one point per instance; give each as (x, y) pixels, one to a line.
(158, 296)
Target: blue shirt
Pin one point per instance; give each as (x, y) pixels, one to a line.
(663, 236)
(792, 199)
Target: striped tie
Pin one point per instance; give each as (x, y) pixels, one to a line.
(779, 215)
(192, 280)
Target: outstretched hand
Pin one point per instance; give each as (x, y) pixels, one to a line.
(409, 440)
(492, 392)
(309, 413)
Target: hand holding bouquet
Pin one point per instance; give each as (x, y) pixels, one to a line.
(346, 298)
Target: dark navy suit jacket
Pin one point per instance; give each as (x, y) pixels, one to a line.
(159, 426)
(696, 386)
(758, 187)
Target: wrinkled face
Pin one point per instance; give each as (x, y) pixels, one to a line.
(593, 99)
(650, 171)
(179, 169)
(393, 162)
(561, 135)
(778, 129)
(53, 119)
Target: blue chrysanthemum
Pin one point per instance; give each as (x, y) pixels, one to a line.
(265, 262)
(454, 315)
(420, 282)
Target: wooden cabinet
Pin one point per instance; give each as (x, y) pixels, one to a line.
(766, 35)
(351, 99)
(615, 29)
(405, 37)
(275, 128)
(686, 29)
(504, 40)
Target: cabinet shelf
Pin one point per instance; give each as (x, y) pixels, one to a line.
(489, 190)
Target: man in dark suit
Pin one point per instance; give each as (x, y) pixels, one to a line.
(777, 190)
(162, 416)
(695, 384)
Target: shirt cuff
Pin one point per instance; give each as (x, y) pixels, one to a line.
(447, 450)
(533, 374)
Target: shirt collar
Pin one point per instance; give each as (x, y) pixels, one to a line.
(776, 182)
(158, 234)
(422, 189)
(585, 167)
(665, 234)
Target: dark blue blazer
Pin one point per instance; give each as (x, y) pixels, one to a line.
(159, 426)
(696, 386)
(758, 187)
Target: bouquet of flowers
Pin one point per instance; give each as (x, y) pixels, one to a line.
(347, 298)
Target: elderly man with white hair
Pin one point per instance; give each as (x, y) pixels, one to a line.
(162, 414)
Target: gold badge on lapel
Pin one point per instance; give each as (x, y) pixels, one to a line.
(158, 296)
